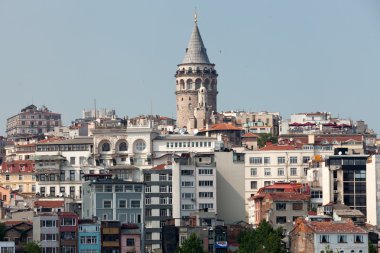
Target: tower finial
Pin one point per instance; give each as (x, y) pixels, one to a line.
(195, 16)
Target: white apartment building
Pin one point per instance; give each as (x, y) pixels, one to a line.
(279, 163)
(194, 185)
(60, 165)
(166, 147)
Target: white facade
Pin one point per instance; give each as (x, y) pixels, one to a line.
(194, 186)
(7, 247)
(342, 243)
(164, 147)
(64, 178)
(264, 167)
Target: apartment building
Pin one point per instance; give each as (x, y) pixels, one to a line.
(32, 121)
(18, 175)
(61, 164)
(279, 163)
(158, 203)
(194, 184)
(68, 231)
(113, 199)
(89, 239)
(46, 231)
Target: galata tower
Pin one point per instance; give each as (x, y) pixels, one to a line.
(196, 85)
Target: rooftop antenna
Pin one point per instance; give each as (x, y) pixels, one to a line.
(95, 107)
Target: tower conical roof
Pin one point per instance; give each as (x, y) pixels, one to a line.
(196, 51)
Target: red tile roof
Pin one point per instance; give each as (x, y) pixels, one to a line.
(250, 135)
(221, 127)
(49, 203)
(283, 196)
(51, 139)
(159, 167)
(329, 227)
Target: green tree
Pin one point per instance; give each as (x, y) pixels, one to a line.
(191, 245)
(2, 231)
(371, 247)
(263, 138)
(264, 239)
(32, 247)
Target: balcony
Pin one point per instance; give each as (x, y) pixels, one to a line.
(205, 164)
(111, 243)
(111, 231)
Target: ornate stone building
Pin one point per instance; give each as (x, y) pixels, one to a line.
(196, 85)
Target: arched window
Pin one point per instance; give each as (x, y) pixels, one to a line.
(106, 147)
(140, 145)
(123, 146)
(352, 251)
(189, 84)
(189, 106)
(198, 83)
(182, 84)
(206, 83)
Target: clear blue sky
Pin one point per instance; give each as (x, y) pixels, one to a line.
(287, 56)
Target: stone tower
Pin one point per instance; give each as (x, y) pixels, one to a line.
(196, 85)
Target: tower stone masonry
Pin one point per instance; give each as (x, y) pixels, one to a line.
(196, 85)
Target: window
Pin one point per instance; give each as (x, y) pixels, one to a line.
(147, 177)
(162, 177)
(135, 203)
(206, 205)
(206, 194)
(106, 147)
(72, 160)
(48, 223)
(123, 146)
(324, 239)
(163, 212)
(187, 195)
(122, 203)
(206, 183)
(305, 171)
(187, 172)
(266, 160)
(253, 184)
(305, 159)
(281, 160)
(72, 175)
(187, 183)
(267, 171)
(148, 212)
(149, 189)
(187, 207)
(7, 177)
(108, 188)
(316, 194)
(281, 206)
(68, 222)
(253, 172)
(107, 203)
(20, 177)
(88, 240)
(256, 160)
(359, 239)
(140, 145)
(281, 219)
(342, 238)
(297, 206)
(148, 201)
(293, 160)
(49, 237)
(205, 172)
(163, 189)
(267, 183)
(293, 171)
(130, 242)
(280, 172)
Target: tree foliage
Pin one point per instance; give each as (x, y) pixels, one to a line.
(2, 231)
(191, 245)
(32, 247)
(264, 239)
(263, 138)
(371, 248)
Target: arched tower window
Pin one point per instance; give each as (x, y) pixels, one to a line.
(190, 70)
(198, 83)
(206, 83)
(189, 84)
(182, 83)
(140, 145)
